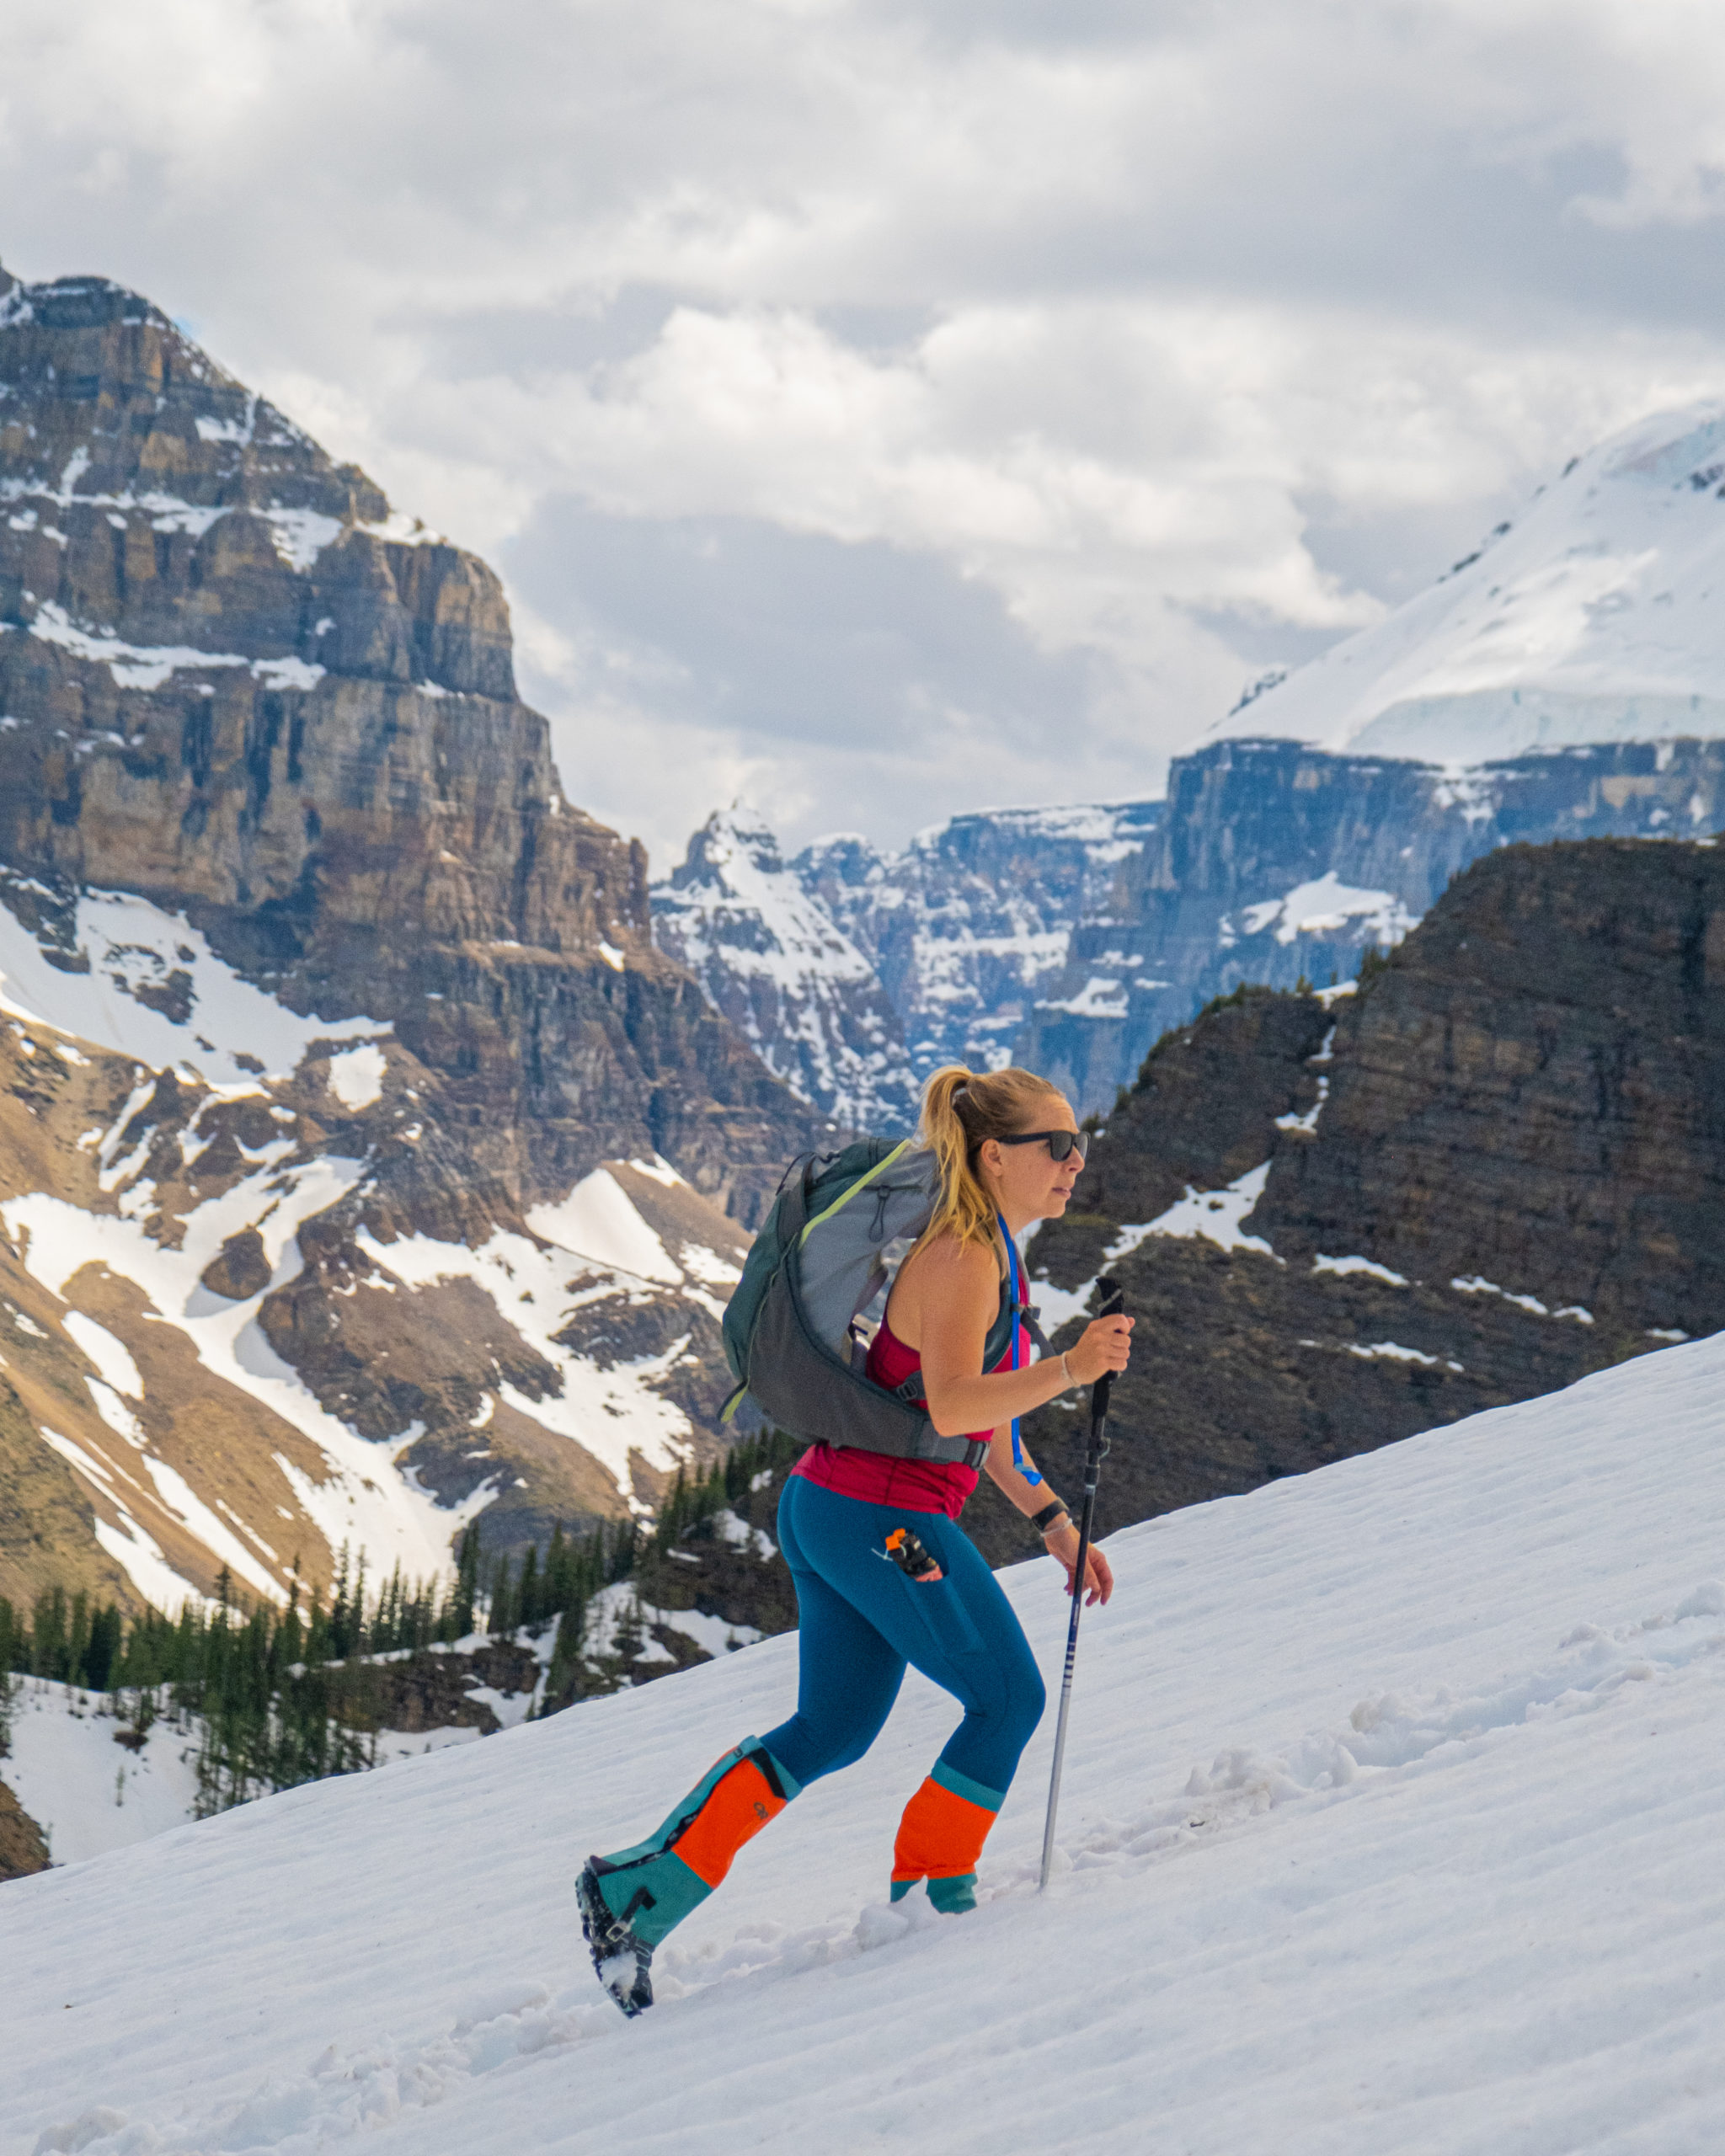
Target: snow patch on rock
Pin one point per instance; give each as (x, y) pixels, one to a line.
(154, 989)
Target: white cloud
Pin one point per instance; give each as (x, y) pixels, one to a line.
(1151, 342)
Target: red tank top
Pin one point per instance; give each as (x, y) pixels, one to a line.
(919, 1486)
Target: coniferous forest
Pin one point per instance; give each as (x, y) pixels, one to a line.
(274, 1696)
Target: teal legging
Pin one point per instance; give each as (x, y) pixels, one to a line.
(862, 1620)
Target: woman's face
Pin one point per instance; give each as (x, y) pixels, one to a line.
(1028, 1183)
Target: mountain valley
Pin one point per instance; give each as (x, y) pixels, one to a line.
(378, 1146)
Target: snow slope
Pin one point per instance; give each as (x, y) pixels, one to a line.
(1391, 1822)
(130, 945)
(88, 1793)
(1596, 616)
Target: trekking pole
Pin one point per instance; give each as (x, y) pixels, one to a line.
(1112, 1298)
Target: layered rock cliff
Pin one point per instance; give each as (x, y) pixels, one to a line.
(340, 1042)
(969, 923)
(1273, 862)
(1497, 1164)
(231, 679)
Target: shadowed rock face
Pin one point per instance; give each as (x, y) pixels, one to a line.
(1517, 1123)
(233, 682)
(1533, 1091)
(22, 1848)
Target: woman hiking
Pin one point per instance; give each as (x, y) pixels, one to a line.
(883, 1573)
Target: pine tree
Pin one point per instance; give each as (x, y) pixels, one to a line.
(459, 1621)
(500, 1621)
(101, 1649)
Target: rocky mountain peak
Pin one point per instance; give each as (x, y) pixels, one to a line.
(733, 845)
(422, 1155)
(774, 962)
(233, 681)
(106, 377)
(283, 649)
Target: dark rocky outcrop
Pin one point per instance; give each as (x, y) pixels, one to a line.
(22, 1848)
(1533, 1090)
(1496, 1167)
(435, 1689)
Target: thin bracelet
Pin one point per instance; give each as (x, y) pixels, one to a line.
(1067, 1369)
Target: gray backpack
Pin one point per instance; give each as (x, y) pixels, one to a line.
(796, 1329)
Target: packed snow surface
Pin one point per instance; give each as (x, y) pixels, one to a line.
(1594, 616)
(1215, 1215)
(356, 1076)
(1392, 1821)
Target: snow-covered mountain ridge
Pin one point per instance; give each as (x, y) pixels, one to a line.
(775, 963)
(1392, 1810)
(856, 972)
(1597, 614)
(1563, 682)
(968, 923)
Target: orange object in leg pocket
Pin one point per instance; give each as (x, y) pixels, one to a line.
(941, 1834)
(740, 1806)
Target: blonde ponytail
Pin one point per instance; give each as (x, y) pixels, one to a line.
(961, 1111)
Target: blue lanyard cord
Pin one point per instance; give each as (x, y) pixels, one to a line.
(1015, 1282)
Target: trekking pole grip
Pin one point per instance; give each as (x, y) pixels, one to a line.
(1114, 1301)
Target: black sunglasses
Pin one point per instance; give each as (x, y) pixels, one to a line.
(1060, 1143)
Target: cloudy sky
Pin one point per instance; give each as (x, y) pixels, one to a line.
(880, 409)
